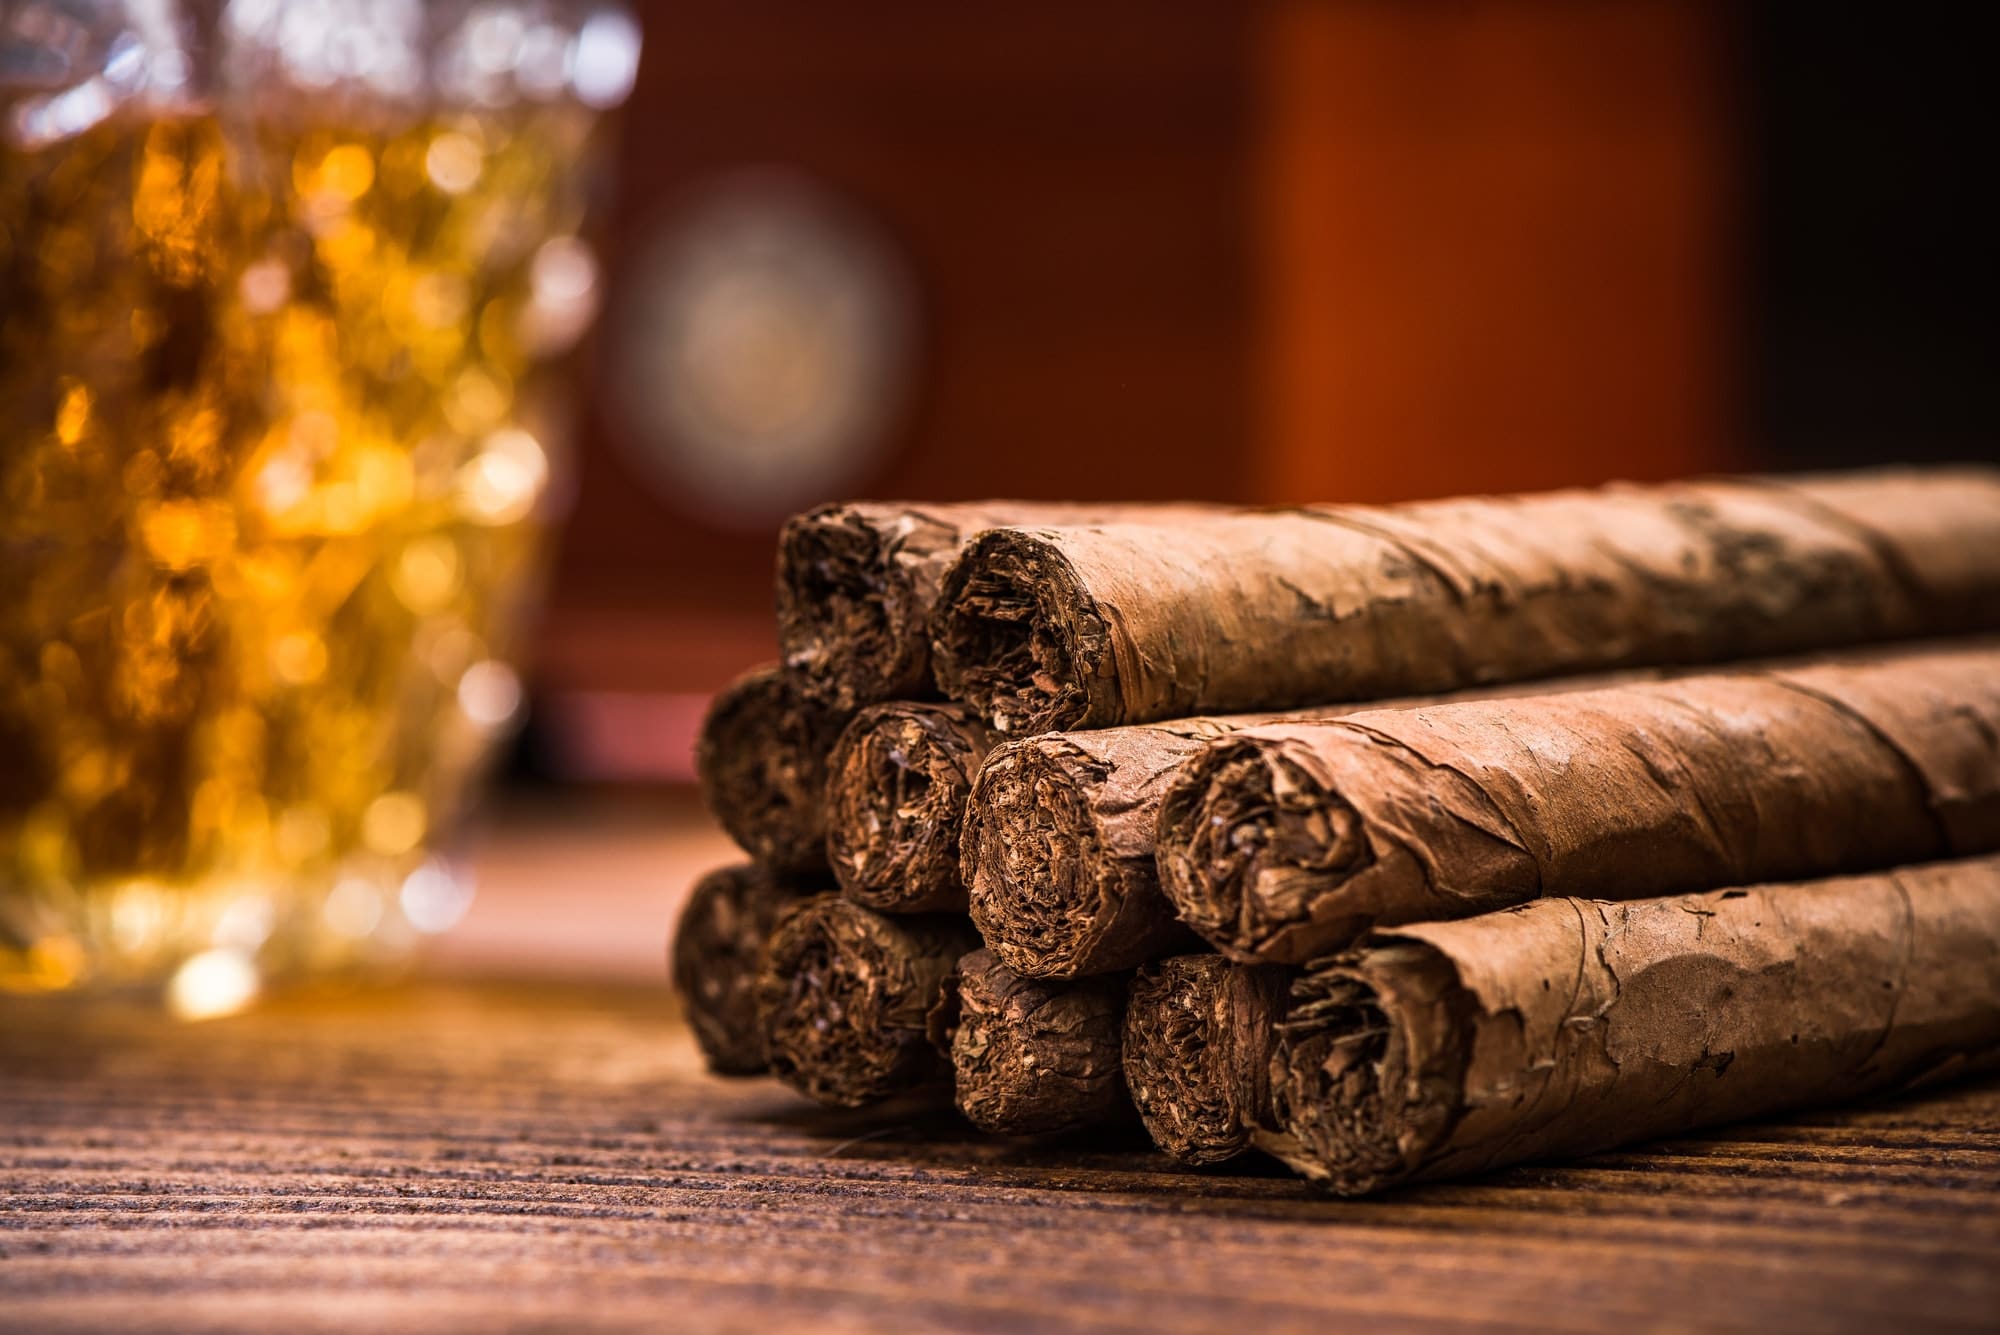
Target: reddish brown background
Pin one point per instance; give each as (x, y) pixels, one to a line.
(1290, 250)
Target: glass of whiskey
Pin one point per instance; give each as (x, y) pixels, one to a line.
(285, 293)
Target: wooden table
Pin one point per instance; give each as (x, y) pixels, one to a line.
(466, 1156)
(457, 1153)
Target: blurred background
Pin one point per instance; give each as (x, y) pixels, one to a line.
(1260, 251)
(1284, 251)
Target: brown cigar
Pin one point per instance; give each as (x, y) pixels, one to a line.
(895, 799)
(845, 998)
(1568, 1025)
(857, 581)
(1030, 1057)
(1285, 842)
(1069, 627)
(761, 758)
(1058, 846)
(1199, 1034)
(718, 950)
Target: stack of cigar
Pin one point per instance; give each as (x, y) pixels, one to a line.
(1398, 842)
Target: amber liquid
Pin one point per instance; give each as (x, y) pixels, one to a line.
(277, 411)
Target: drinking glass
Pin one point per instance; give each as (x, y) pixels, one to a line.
(285, 290)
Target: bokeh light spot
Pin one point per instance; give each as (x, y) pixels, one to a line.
(212, 984)
(394, 823)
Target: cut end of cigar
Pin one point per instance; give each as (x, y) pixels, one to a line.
(896, 791)
(717, 953)
(1199, 1031)
(1248, 843)
(1031, 1058)
(1043, 894)
(845, 999)
(1367, 1078)
(844, 612)
(761, 757)
(1016, 636)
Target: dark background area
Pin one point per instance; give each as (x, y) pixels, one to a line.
(1286, 251)
(1874, 288)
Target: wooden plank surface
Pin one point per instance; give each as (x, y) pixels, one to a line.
(466, 1156)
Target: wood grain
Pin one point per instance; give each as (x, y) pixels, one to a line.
(480, 1157)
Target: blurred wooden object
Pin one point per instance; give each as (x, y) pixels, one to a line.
(1494, 246)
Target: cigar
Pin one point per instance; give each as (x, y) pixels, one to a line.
(895, 797)
(1031, 1057)
(761, 758)
(1285, 842)
(1200, 1031)
(1058, 844)
(845, 997)
(1048, 628)
(1057, 847)
(857, 581)
(1569, 1025)
(718, 949)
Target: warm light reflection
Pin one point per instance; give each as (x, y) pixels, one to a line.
(453, 162)
(244, 922)
(504, 480)
(434, 898)
(353, 908)
(393, 823)
(212, 984)
(489, 694)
